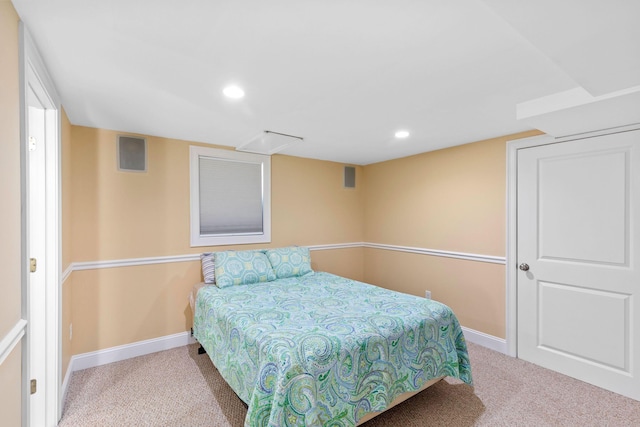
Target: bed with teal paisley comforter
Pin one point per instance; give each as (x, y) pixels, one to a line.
(324, 350)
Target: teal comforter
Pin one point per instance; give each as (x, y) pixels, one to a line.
(323, 350)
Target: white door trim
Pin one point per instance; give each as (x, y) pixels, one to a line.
(512, 235)
(34, 73)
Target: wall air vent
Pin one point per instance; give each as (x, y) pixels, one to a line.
(349, 177)
(132, 154)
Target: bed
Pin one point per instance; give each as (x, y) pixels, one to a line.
(319, 349)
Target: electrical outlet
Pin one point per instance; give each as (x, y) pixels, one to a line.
(70, 331)
(427, 294)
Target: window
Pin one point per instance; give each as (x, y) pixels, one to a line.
(230, 197)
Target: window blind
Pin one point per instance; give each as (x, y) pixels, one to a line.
(231, 199)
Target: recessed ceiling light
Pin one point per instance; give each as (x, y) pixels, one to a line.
(233, 91)
(401, 134)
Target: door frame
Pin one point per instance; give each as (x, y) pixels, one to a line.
(33, 72)
(511, 270)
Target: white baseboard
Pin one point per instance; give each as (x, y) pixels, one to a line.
(485, 340)
(127, 351)
(65, 385)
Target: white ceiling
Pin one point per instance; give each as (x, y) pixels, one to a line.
(342, 74)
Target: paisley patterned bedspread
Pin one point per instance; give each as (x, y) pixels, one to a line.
(324, 350)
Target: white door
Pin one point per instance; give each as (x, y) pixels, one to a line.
(578, 213)
(36, 250)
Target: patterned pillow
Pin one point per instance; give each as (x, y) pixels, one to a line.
(291, 261)
(242, 268)
(208, 267)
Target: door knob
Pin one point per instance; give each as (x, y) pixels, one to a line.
(524, 267)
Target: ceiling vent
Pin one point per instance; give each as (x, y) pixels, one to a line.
(269, 142)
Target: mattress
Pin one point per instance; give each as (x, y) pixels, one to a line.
(325, 350)
(194, 294)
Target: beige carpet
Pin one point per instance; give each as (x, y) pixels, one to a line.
(181, 388)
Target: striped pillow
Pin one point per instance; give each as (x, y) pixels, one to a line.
(208, 267)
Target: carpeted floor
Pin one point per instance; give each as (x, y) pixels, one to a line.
(178, 387)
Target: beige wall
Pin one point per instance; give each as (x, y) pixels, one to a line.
(346, 262)
(112, 215)
(474, 290)
(310, 205)
(10, 246)
(120, 215)
(116, 306)
(10, 389)
(450, 200)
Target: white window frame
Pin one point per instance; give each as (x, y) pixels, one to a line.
(197, 239)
